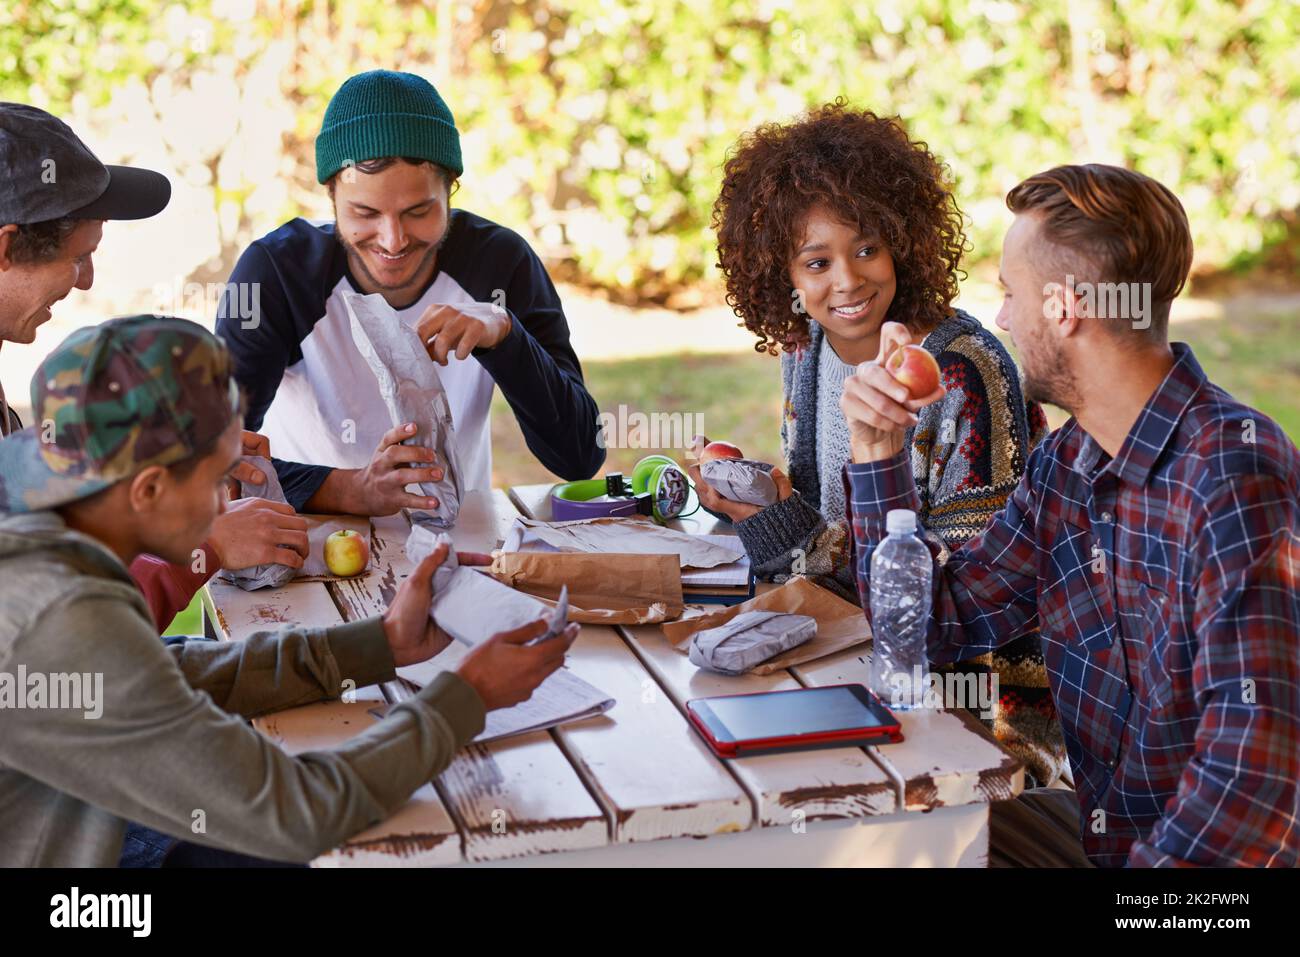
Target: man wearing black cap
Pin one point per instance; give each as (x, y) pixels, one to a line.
(54, 198)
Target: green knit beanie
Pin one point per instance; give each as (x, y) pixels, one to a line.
(383, 113)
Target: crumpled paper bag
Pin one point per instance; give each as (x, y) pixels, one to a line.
(741, 480)
(632, 535)
(603, 589)
(261, 576)
(840, 624)
(749, 639)
(412, 389)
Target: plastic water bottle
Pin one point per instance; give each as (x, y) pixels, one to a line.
(901, 570)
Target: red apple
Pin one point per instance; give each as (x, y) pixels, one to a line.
(914, 368)
(720, 450)
(346, 553)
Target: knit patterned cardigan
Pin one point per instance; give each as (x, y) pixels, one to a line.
(968, 453)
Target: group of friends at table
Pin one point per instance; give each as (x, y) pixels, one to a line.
(1130, 578)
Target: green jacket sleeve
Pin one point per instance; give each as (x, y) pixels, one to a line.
(273, 670)
(163, 753)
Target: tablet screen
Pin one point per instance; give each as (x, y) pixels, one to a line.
(806, 711)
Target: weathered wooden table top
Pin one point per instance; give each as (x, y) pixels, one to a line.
(638, 772)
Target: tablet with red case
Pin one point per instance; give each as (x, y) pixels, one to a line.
(799, 719)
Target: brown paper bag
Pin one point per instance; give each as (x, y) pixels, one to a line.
(603, 589)
(840, 624)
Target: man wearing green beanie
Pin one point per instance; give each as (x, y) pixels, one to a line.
(389, 154)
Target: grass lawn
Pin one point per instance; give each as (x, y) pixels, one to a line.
(738, 396)
(188, 622)
(1257, 360)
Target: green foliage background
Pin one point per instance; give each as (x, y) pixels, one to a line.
(600, 128)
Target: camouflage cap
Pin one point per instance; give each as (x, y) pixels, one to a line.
(112, 400)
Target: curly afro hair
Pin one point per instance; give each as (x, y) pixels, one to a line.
(866, 171)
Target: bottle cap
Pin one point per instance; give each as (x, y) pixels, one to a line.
(900, 521)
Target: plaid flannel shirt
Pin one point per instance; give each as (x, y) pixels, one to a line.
(1165, 583)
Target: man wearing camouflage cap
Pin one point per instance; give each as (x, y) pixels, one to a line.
(141, 426)
(54, 198)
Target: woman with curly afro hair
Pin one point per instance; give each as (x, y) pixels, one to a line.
(827, 228)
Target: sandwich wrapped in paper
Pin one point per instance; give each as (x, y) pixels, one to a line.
(409, 383)
(749, 639)
(840, 623)
(741, 480)
(261, 576)
(319, 528)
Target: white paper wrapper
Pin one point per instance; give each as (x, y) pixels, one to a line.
(749, 639)
(421, 543)
(261, 576)
(467, 604)
(472, 607)
(741, 480)
(409, 383)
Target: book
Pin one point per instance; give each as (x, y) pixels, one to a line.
(726, 584)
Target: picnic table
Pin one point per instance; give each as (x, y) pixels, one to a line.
(636, 786)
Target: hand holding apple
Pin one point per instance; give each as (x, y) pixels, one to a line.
(878, 406)
(915, 368)
(705, 451)
(346, 553)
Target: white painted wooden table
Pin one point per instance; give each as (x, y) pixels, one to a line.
(636, 786)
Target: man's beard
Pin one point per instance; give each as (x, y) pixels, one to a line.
(359, 262)
(1048, 380)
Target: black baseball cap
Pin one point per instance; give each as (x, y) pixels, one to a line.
(46, 173)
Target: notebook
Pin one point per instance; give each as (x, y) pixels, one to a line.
(724, 584)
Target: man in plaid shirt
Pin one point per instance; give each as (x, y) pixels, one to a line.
(1154, 541)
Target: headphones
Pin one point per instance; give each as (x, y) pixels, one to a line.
(659, 488)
